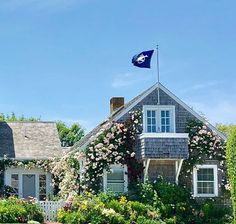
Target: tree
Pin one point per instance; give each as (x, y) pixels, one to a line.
(13, 117)
(225, 129)
(69, 135)
(231, 167)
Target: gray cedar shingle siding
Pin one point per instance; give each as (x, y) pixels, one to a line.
(29, 140)
(169, 148)
(172, 148)
(181, 114)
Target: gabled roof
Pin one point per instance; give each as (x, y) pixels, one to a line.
(29, 140)
(128, 106)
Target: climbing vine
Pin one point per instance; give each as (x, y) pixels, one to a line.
(204, 145)
(114, 144)
(65, 171)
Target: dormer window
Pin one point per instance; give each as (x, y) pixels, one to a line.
(158, 119)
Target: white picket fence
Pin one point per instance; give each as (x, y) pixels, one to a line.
(50, 209)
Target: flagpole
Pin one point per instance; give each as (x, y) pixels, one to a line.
(158, 77)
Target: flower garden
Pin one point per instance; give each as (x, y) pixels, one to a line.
(146, 203)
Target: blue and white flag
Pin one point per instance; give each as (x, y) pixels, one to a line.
(143, 59)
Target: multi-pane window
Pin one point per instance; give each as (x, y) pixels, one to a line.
(205, 180)
(159, 119)
(151, 121)
(115, 180)
(15, 183)
(42, 187)
(165, 121)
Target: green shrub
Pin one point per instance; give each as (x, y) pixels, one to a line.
(171, 193)
(212, 213)
(107, 210)
(177, 206)
(13, 210)
(231, 167)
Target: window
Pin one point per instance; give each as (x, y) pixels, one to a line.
(32, 182)
(151, 121)
(165, 120)
(15, 183)
(42, 187)
(205, 181)
(116, 179)
(159, 119)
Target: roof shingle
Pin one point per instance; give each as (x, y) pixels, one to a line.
(29, 140)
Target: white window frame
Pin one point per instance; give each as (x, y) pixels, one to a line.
(112, 167)
(215, 173)
(158, 109)
(20, 172)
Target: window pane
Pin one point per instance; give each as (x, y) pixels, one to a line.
(168, 121)
(205, 187)
(163, 129)
(149, 121)
(154, 129)
(154, 121)
(162, 113)
(149, 129)
(153, 113)
(167, 128)
(42, 187)
(116, 175)
(148, 113)
(163, 121)
(205, 174)
(167, 113)
(115, 180)
(15, 182)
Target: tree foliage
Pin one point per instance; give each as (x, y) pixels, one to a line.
(13, 117)
(231, 167)
(225, 129)
(69, 135)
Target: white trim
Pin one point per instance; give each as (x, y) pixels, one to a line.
(20, 172)
(163, 135)
(158, 109)
(146, 93)
(184, 105)
(205, 166)
(147, 163)
(178, 165)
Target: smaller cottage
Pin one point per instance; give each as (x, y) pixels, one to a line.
(22, 141)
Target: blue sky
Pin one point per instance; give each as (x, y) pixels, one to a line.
(64, 59)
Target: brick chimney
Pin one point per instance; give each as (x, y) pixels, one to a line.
(116, 103)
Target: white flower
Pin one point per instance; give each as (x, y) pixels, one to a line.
(132, 154)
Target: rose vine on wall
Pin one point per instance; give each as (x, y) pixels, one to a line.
(204, 145)
(114, 144)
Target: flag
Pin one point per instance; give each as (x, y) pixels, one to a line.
(143, 59)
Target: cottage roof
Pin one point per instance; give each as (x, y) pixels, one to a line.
(29, 140)
(129, 105)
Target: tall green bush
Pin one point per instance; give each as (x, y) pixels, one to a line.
(14, 210)
(231, 167)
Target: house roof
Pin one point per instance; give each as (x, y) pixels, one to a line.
(29, 140)
(88, 137)
(128, 106)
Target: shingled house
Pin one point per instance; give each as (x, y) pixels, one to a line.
(163, 144)
(29, 141)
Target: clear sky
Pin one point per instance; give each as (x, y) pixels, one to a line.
(64, 59)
